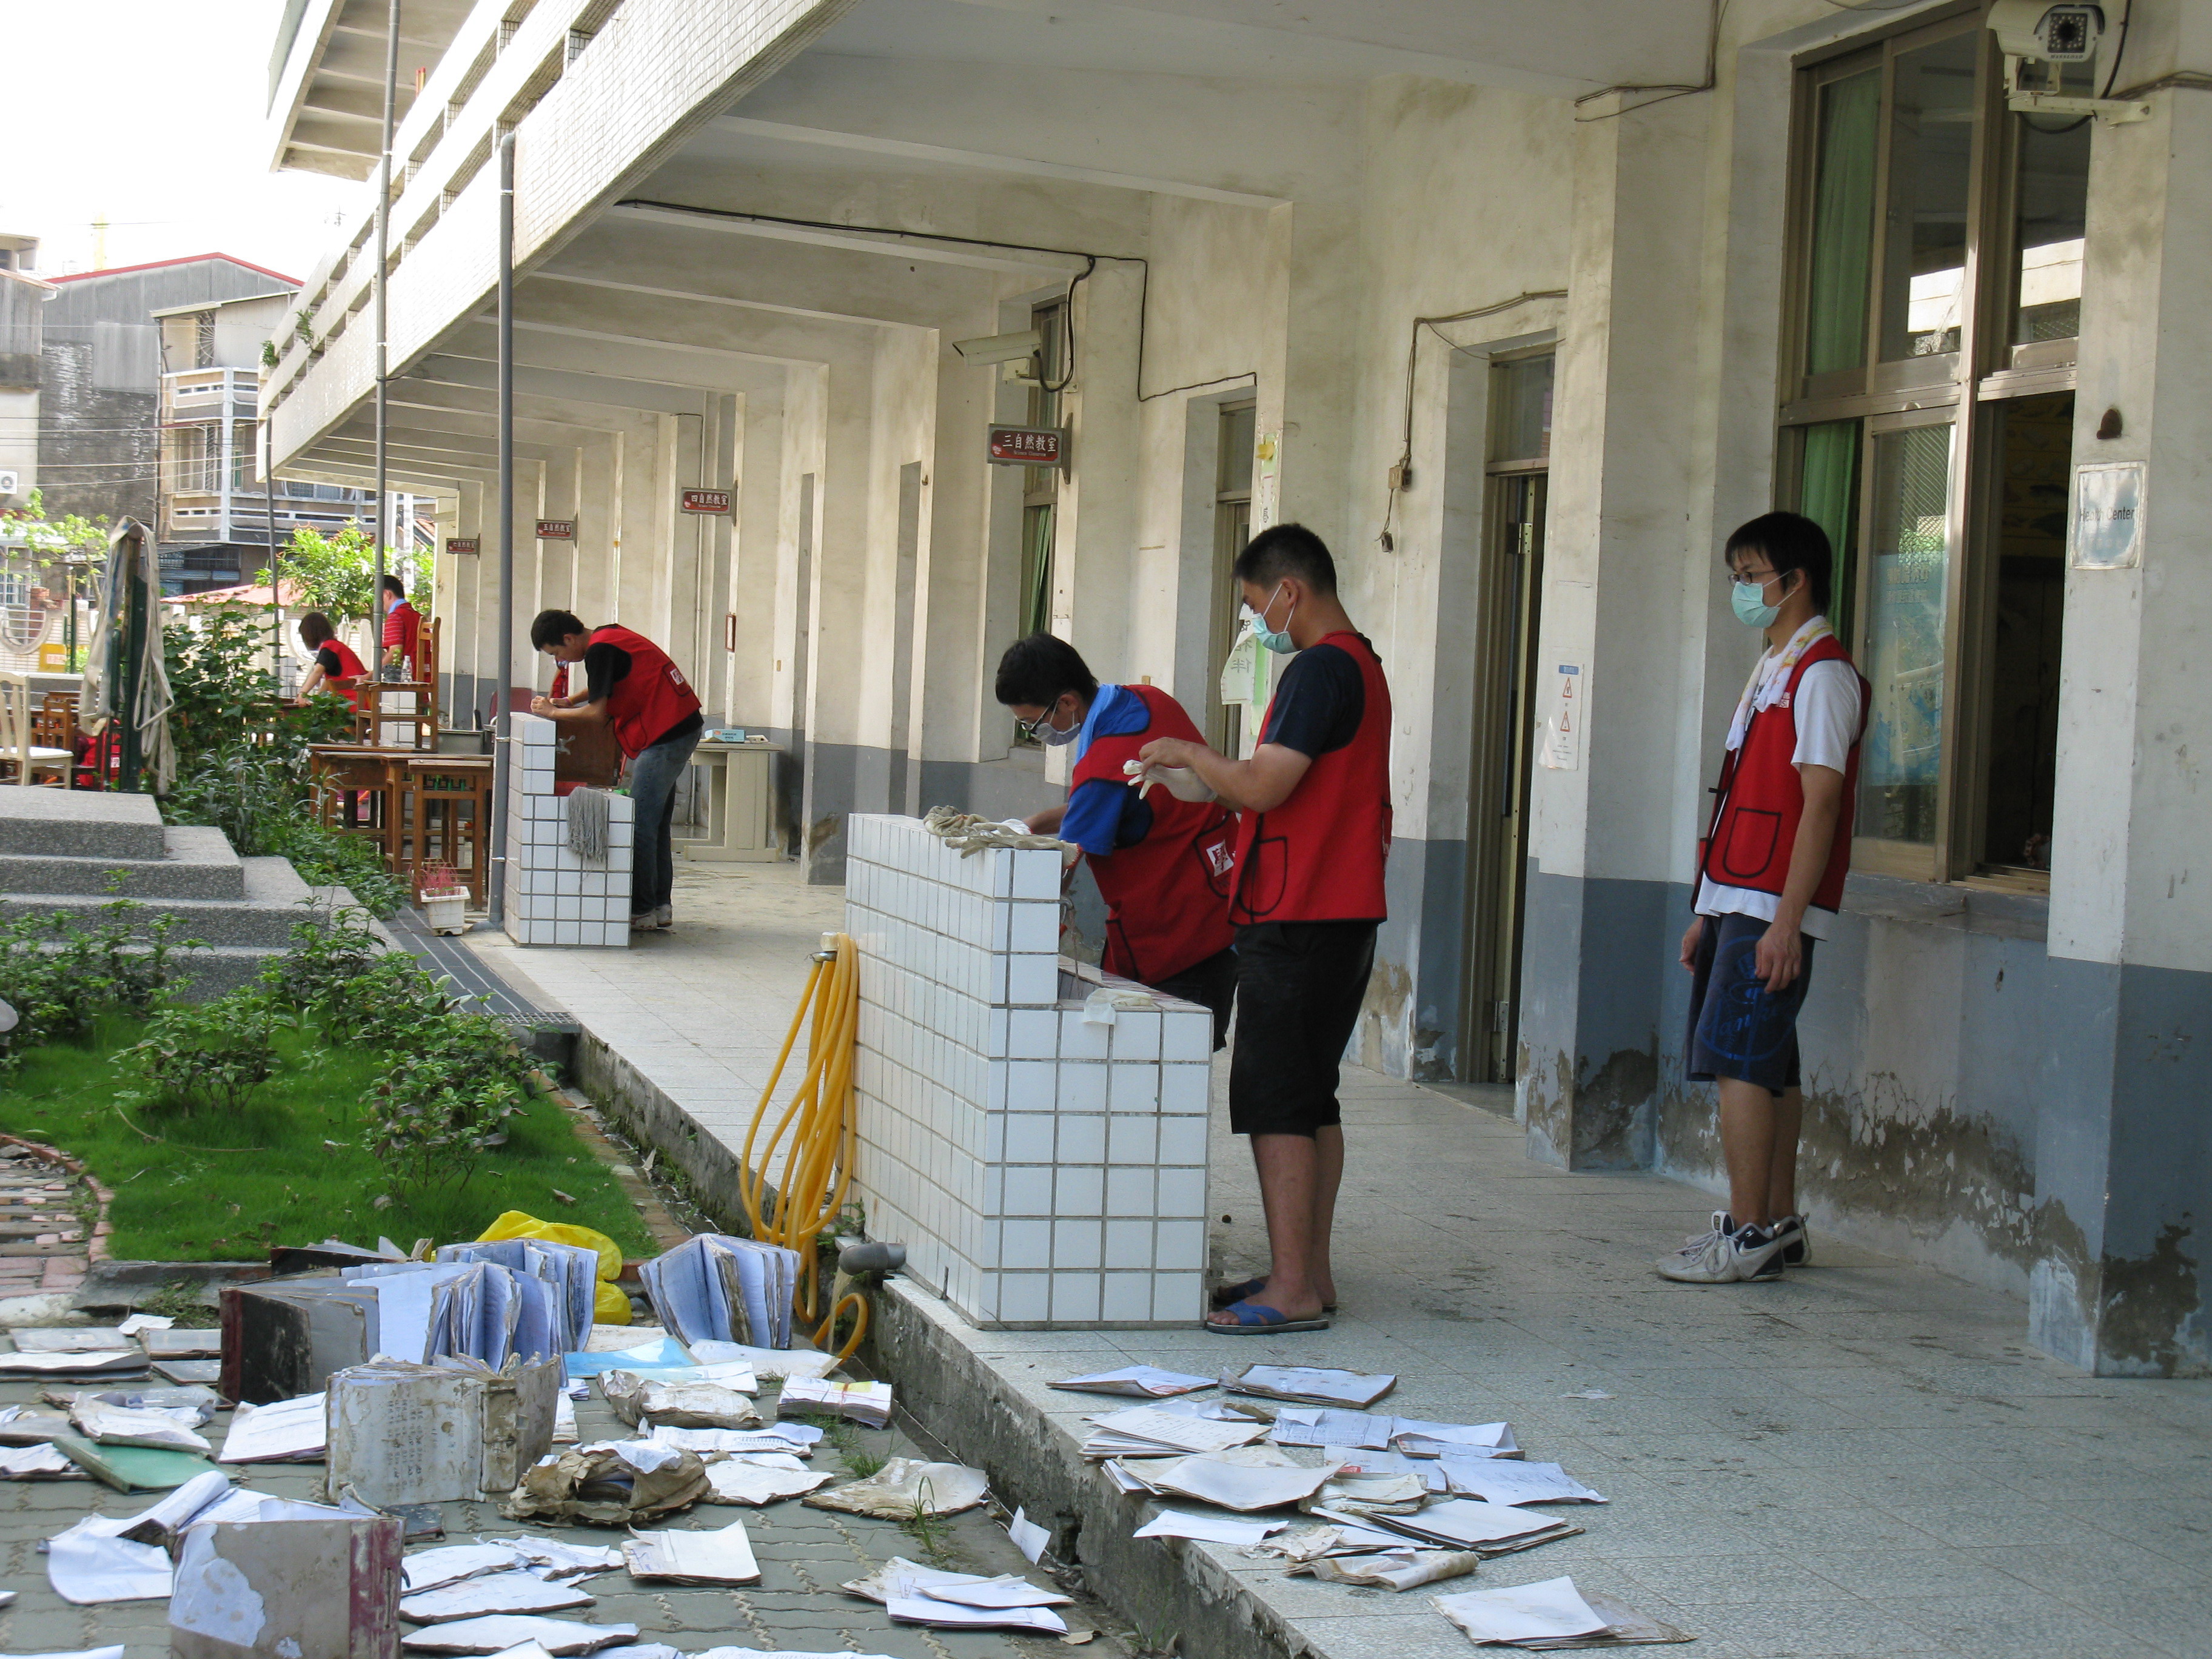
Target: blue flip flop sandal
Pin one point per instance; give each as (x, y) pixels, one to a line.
(1256, 1319)
(1224, 1296)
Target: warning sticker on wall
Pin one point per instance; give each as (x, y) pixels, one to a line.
(1562, 750)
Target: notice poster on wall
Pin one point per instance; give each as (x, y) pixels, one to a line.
(1562, 750)
(2107, 525)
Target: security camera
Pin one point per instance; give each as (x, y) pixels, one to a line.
(2049, 33)
(1000, 347)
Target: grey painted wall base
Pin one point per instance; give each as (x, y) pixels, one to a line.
(2031, 1122)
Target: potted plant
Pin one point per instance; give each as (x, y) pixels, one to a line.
(445, 902)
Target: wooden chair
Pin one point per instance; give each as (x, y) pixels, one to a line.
(395, 715)
(426, 668)
(20, 753)
(55, 723)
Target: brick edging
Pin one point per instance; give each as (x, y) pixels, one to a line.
(95, 1243)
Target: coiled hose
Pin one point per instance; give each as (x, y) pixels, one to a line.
(822, 1127)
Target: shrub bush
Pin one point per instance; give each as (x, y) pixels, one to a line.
(60, 976)
(447, 1089)
(211, 1055)
(330, 950)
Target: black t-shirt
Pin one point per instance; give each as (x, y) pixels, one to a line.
(327, 659)
(1319, 704)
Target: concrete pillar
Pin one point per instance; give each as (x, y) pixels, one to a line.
(1600, 838)
(2124, 1155)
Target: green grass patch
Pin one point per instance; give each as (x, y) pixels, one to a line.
(290, 1168)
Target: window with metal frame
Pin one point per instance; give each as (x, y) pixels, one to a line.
(1934, 303)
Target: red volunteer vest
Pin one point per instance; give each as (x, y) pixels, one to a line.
(649, 699)
(1167, 897)
(351, 670)
(1760, 800)
(1319, 856)
(402, 625)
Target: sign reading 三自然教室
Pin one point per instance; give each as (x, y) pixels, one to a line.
(2106, 530)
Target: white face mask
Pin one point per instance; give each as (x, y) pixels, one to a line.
(1051, 736)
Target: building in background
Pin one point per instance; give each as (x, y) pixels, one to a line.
(22, 318)
(1523, 306)
(214, 510)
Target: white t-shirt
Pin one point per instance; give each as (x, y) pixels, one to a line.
(1826, 707)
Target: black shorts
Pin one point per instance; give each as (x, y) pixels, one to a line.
(1300, 986)
(1211, 984)
(1738, 1028)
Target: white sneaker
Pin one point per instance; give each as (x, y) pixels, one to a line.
(642, 922)
(663, 917)
(1725, 1258)
(1693, 1242)
(1796, 1239)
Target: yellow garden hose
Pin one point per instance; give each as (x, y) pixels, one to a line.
(818, 1163)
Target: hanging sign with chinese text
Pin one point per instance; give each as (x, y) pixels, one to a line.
(461, 545)
(1028, 446)
(713, 503)
(556, 529)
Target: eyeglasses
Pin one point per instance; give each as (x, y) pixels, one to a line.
(1029, 729)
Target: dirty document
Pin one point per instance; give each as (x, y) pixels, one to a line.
(428, 1569)
(1317, 1385)
(951, 1615)
(1209, 1528)
(906, 1486)
(514, 1590)
(289, 1431)
(502, 1631)
(1508, 1480)
(760, 1477)
(689, 1405)
(1238, 1486)
(725, 1557)
(1394, 1570)
(88, 1565)
(1523, 1613)
(1146, 1429)
(868, 1404)
(1142, 1382)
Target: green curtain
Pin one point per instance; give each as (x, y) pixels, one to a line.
(1828, 493)
(1036, 572)
(1842, 224)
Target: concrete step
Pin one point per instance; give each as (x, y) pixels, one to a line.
(197, 863)
(79, 824)
(273, 899)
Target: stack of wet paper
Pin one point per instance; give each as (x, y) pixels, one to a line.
(1317, 1385)
(1466, 1523)
(751, 1466)
(1552, 1614)
(75, 1353)
(569, 1270)
(1153, 1431)
(1138, 1381)
(868, 1404)
(715, 1288)
(723, 1557)
(1243, 1477)
(915, 1594)
(1415, 1437)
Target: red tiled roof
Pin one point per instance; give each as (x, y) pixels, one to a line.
(188, 259)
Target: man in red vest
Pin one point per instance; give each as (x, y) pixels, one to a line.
(403, 626)
(1306, 898)
(1162, 864)
(631, 685)
(1769, 877)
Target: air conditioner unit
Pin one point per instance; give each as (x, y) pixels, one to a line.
(10, 483)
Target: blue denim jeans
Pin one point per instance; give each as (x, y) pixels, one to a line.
(652, 777)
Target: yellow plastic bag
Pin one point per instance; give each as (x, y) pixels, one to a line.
(610, 1306)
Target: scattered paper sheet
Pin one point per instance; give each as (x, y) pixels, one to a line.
(759, 1477)
(88, 1565)
(923, 1610)
(1309, 1544)
(160, 1522)
(797, 1438)
(868, 1404)
(1144, 1382)
(1234, 1486)
(1145, 1424)
(139, 1321)
(1211, 1528)
(1326, 1425)
(766, 1362)
(557, 1636)
(1002, 1592)
(1522, 1613)
(1029, 1538)
(429, 1569)
(1419, 1438)
(73, 1339)
(1319, 1385)
(636, 1396)
(115, 1652)
(119, 1426)
(71, 1365)
(40, 1462)
(1470, 1523)
(555, 1559)
(290, 1431)
(167, 1344)
(724, 1556)
(509, 1591)
(1508, 1480)
(900, 1576)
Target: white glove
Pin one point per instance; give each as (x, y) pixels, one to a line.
(1181, 781)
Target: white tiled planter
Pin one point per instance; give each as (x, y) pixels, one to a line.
(1043, 1169)
(554, 897)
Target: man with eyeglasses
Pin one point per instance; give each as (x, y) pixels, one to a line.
(1769, 877)
(1161, 862)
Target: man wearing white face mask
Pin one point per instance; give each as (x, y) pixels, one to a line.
(1769, 877)
(1314, 833)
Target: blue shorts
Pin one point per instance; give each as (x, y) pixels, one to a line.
(1738, 1028)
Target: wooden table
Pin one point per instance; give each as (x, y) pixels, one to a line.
(357, 792)
(446, 815)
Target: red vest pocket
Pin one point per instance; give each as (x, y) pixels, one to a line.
(1749, 849)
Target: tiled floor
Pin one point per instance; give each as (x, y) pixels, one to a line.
(1866, 1460)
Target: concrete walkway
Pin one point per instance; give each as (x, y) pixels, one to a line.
(1864, 1459)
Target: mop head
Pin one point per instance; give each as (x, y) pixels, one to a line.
(589, 813)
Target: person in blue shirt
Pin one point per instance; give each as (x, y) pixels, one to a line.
(1162, 863)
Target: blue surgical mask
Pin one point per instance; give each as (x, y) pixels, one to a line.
(1749, 599)
(1281, 643)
